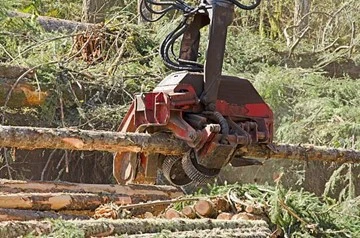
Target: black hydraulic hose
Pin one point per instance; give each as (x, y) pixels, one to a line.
(225, 130)
(167, 45)
(245, 7)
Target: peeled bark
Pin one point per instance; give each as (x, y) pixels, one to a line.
(34, 138)
(225, 216)
(133, 226)
(26, 215)
(137, 192)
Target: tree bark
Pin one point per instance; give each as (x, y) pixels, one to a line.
(33, 138)
(60, 201)
(134, 226)
(137, 192)
(56, 24)
(26, 215)
(301, 17)
(94, 11)
(71, 139)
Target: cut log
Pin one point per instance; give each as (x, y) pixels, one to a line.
(205, 208)
(148, 215)
(189, 212)
(56, 24)
(137, 192)
(254, 209)
(130, 226)
(171, 213)
(224, 216)
(221, 204)
(26, 215)
(33, 138)
(60, 201)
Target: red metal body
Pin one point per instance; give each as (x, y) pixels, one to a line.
(214, 114)
(174, 106)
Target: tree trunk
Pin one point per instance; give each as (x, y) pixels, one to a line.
(301, 17)
(137, 192)
(94, 11)
(108, 227)
(71, 139)
(33, 138)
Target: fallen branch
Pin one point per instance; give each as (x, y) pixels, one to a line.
(70, 139)
(56, 24)
(131, 227)
(137, 192)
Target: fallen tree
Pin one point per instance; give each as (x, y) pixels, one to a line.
(106, 227)
(72, 139)
(56, 24)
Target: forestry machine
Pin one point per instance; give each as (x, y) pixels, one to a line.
(213, 113)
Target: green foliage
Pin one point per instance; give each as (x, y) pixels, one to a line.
(310, 108)
(65, 9)
(300, 213)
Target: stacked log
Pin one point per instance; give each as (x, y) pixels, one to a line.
(25, 200)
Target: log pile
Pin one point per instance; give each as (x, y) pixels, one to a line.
(134, 210)
(21, 200)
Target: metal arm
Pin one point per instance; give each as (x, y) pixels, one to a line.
(221, 17)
